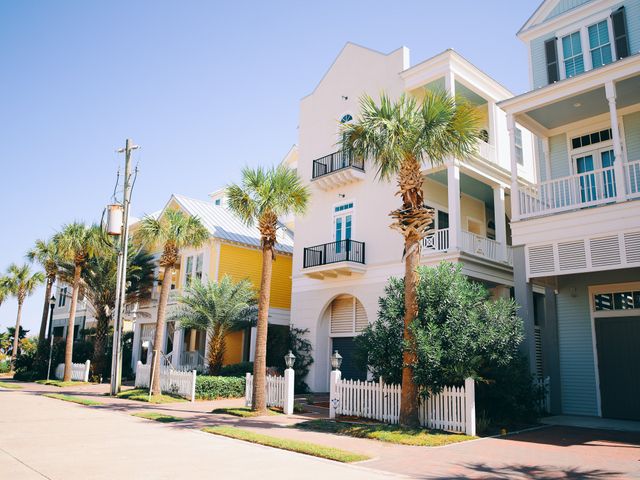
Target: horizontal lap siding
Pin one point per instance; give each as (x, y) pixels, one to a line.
(632, 135)
(233, 348)
(539, 61)
(633, 24)
(240, 263)
(559, 156)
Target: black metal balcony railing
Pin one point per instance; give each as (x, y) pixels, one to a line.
(327, 253)
(334, 162)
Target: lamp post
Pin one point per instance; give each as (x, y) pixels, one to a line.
(52, 304)
(289, 383)
(334, 378)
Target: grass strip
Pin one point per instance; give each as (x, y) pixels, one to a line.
(60, 383)
(307, 448)
(142, 395)
(158, 417)
(12, 386)
(243, 412)
(386, 433)
(71, 398)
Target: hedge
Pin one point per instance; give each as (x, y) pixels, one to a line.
(211, 388)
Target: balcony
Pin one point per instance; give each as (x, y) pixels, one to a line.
(578, 191)
(477, 245)
(337, 169)
(332, 259)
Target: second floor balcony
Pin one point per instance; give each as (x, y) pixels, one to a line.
(337, 169)
(343, 257)
(471, 243)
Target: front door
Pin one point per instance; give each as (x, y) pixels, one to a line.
(342, 227)
(618, 345)
(596, 186)
(349, 368)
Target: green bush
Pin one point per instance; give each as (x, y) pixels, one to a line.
(4, 366)
(210, 388)
(237, 369)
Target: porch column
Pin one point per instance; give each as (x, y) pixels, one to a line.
(135, 353)
(547, 158)
(523, 291)
(515, 190)
(178, 342)
(493, 130)
(500, 221)
(618, 168)
(455, 221)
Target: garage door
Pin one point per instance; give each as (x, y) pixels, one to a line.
(349, 370)
(618, 343)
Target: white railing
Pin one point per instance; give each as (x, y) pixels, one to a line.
(192, 360)
(438, 241)
(79, 371)
(632, 178)
(487, 151)
(453, 409)
(567, 193)
(171, 381)
(279, 391)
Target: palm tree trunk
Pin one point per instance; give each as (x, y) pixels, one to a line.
(68, 353)
(160, 327)
(16, 337)
(259, 401)
(216, 350)
(102, 329)
(45, 311)
(409, 396)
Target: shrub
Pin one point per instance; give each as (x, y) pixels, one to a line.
(281, 341)
(210, 388)
(237, 369)
(5, 366)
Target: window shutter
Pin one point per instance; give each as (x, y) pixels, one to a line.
(621, 39)
(551, 54)
(361, 317)
(342, 315)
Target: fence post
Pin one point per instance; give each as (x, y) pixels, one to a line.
(193, 386)
(289, 376)
(470, 406)
(334, 398)
(138, 365)
(247, 390)
(87, 365)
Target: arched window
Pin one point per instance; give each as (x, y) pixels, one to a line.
(346, 118)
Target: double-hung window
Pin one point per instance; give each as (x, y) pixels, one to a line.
(600, 44)
(572, 55)
(188, 271)
(518, 143)
(193, 268)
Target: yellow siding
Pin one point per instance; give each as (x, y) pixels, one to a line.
(233, 351)
(240, 263)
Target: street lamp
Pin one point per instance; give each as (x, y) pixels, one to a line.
(52, 304)
(336, 360)
(289, 359)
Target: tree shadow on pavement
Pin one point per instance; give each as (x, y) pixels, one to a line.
(537, 472)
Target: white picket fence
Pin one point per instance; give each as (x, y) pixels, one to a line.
(79, 371)
(453, 409)
(279, 391)
(171, 381)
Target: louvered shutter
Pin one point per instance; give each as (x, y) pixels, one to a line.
(551, 54)
(620, 36)
(361, 317)
(342, 315)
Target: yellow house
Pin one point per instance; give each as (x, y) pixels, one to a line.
(233, 249)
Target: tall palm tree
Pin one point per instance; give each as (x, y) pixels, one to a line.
(45, 253)
(262, 196)
(77, 243)
(21, 283)
(98, 280)
(398, 137)
(217, 309)
(173, 231)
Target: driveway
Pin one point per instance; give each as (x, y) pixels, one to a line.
(46, 438)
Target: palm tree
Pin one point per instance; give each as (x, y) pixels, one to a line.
(173, 231)
(262, 197)
(99, 284)
(21, 283)
(44, 252)
(217, 309)
(77, 243)
(398, 137)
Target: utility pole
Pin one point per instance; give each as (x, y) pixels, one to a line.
(121, 273)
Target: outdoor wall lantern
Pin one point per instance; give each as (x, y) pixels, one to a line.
(336, 360)
(289, 359)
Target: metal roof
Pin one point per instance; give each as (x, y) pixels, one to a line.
(224, 225)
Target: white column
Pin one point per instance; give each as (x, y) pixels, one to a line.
(334, 399)
(547, 158)
(289, 377)
(178, 343)
(500, 221)
(491, 110)
(135, 354)
(515, 190)
(455, 221)
(618, 168)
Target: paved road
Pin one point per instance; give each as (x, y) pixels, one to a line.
(46, 438)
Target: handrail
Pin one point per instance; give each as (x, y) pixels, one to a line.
(335, 161)
(340, 251)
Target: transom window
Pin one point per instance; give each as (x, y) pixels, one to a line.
(600, 44)
(616, 301)
(572, 54)
(346, 118)
(591, 139)
(345, 206)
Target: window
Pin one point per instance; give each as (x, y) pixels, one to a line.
(599, 44)
(188, 271)
(591, 138)
(198, 271)
(193, 268)
(572, 55)
(58, 332)
(346, 118)
(616, 301)
(519, 151)
(346, 206)
(62, 300)
(217, 202)
(342, 225)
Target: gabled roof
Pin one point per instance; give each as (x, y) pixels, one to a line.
(224, 225)
(550, 9)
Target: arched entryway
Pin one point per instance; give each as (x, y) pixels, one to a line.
(347, 319)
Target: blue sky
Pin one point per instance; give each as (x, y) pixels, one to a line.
(204, 87)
